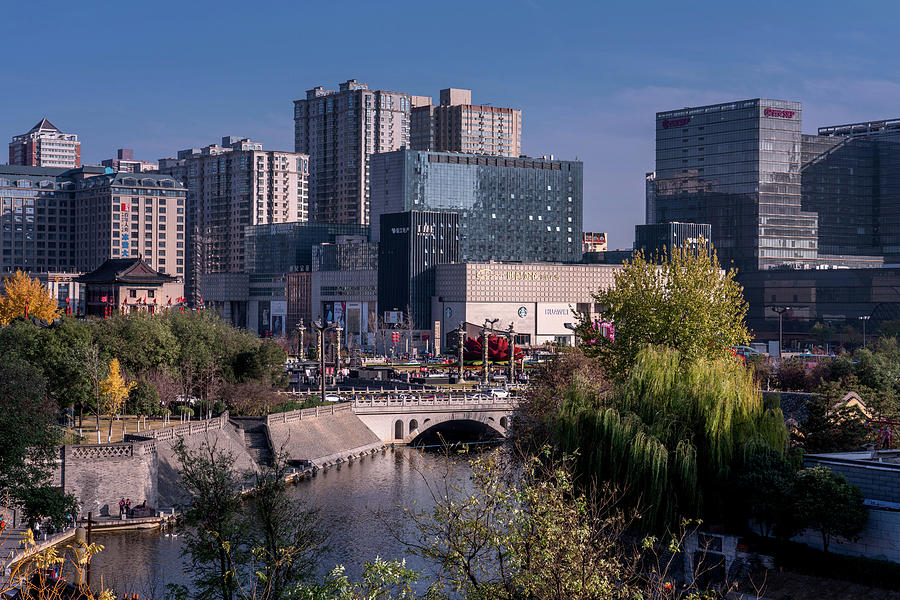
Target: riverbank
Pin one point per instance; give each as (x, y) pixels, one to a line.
(12, 544)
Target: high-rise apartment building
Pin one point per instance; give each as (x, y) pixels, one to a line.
(125, 163)
(231, 187)
(45, 146)
(457, 125)
(510, 209)
(340, 131)
(123, 215)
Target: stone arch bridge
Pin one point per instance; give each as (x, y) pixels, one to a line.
(401, 420)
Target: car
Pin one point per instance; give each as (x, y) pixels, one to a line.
(499, 393)
(333, 398)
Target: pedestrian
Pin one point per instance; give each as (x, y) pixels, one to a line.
(127, 506)
(121, 507)
(2, 524)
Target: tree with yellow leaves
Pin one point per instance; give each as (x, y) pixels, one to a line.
(26, 297)
(114, 390)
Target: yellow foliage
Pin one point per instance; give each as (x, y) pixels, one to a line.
(114, 389)
(20, 291)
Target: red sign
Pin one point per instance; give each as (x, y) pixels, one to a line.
(781, 114)
(667, 123)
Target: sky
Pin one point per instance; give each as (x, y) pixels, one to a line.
(589, 76)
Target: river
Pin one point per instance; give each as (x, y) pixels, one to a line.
(348, 498)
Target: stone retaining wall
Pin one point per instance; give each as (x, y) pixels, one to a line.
(335, 433)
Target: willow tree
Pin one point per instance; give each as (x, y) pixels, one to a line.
(681, 299)
(672, 433)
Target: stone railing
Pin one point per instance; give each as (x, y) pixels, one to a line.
(308, 413)
(436, 403)
(126, 449)
(184, 429)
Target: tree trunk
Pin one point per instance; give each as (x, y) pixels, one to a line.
(825, 541)
(98, 424)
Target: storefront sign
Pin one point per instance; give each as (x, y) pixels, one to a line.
(492, 275)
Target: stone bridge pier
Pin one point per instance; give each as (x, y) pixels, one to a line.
(396, 420)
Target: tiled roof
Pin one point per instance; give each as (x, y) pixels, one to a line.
(125, 270)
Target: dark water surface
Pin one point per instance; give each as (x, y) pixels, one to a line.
(347, 498)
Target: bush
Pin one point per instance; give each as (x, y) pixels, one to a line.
(826, 502)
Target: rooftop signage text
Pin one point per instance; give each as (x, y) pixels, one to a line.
(667, 123)
(516, 275)
(781, 114)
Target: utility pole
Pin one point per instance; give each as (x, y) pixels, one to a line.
(864, 318)
(462, 340)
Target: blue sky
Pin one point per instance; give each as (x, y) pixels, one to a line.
(589, 76)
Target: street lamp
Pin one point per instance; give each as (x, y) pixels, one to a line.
(780, 310)
(321, 328)
(864, 318)
(511, 334)
(462, 340)
(301, 329)
(484, 348)
(571, 327)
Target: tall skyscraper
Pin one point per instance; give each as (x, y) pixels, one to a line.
(45, 146)
(745, 169)
(339, 131)
(457, 125)
(510, 209)
(230, 187)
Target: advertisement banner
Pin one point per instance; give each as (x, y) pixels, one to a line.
(552, 317)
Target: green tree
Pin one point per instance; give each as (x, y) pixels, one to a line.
(831, 427)
(143, 399)
(27, 429)
(49, 502)
(212, 513)
(285, 537)
(822, 333)
(681, 300)
(764, 488)
(825, 502)
(671, 434)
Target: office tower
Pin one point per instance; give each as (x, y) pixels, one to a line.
(124, 215)
(745, 168)
(412, 243)
(340, 131)
(125, 163)
(45, 146)
(457, 125)
(231, 187)
(511, 209)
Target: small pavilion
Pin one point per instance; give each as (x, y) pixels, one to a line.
(130, 285)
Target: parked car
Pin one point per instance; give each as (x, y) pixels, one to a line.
(333, 398)
(499, 393)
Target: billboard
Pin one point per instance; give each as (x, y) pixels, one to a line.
(552, 317)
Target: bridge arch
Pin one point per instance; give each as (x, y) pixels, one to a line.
(398, 429)
(455, 430)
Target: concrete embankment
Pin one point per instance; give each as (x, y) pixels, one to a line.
(321, 436)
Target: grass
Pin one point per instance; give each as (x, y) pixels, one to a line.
(130, 423)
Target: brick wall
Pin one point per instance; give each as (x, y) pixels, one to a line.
(101, 474)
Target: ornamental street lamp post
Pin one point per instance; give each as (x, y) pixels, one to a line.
(462, 339)
(321, 328)
(512, 353)
(337, 355)
(301, 329)
(484, 348)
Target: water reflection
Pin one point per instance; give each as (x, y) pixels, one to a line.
(353, 501)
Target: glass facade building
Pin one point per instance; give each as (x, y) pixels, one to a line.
(659, 238)
(287, 247)
(510, 209)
